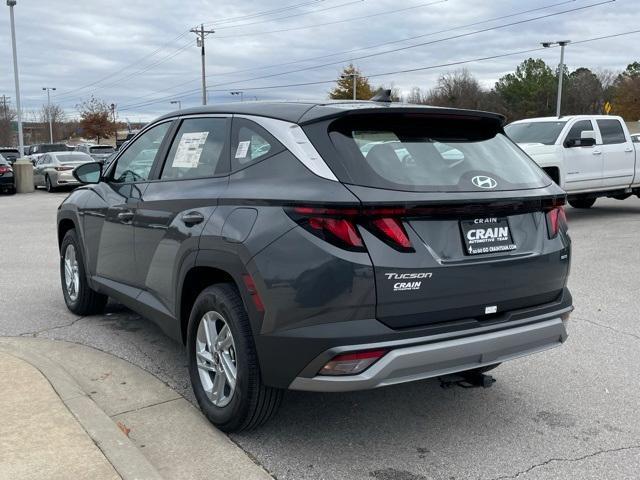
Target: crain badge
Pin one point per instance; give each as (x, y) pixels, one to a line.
(482, 181)
(403, 286)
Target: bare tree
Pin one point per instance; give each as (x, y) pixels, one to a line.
(456, 89)
(415, 96)
(56, 113)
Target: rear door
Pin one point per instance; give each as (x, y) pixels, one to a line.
(618, 154)
(178, 202)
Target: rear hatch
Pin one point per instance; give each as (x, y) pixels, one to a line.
(458, 222)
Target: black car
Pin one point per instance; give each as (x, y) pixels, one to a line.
(10, 154)
(323, 247)
(7, 182)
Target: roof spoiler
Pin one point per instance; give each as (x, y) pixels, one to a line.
(383, 95)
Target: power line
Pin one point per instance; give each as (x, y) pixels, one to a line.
(335, 22)
(502, 17)
(422, 44)
(429, 67)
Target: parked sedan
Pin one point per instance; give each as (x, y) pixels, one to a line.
(7, 183)
(55, 169)
(10, 154)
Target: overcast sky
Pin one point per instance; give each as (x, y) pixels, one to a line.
(136, 52)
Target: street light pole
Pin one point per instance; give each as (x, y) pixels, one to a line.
(239, 93)
(178, 102)
(11, 4)
(355, 83)
(562, 44)
(49, 111)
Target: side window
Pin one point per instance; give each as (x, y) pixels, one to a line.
(134, 165)
(636, 138)
(576, 130)
(198, 150)
(251, 143)
(611, 131)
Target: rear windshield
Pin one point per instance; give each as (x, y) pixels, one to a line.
(535, 132)
(61, 147)
(428, 154)
(102, 149)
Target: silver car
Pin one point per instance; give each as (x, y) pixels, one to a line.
(53, 170)
(98, 152)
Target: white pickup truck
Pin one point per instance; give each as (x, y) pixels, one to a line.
(589, 156)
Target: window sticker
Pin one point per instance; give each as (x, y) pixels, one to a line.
(243, 149)
(189, 150)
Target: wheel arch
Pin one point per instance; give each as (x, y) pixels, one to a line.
(64, 225)
(204, 273)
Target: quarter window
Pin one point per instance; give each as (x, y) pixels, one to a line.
(611, 132)
(198, 150)
(251, 143)
(134, 165)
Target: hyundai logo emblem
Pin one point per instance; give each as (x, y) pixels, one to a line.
(482, 181)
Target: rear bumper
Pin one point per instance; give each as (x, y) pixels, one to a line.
(417, 362)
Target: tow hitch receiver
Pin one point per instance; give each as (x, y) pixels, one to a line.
(470, 379)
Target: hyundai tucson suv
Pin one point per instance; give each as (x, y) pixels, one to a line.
(285, 251)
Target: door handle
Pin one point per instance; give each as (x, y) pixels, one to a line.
(628, 149)
(125, 216)
(597, 152)
(192, 218)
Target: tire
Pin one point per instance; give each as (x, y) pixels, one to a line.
(79, 297)
(582, 202)
(250, 403)
(50, 187)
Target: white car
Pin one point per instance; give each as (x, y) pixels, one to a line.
(55, 169)
(589, 156)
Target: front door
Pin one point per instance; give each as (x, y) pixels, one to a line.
(109, 215)
(583, 165)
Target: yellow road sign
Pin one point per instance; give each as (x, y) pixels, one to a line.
(607, 107)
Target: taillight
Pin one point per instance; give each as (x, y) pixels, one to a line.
(352, 363)
(5, 169)
(339, 226)
(62, 169)
(556, 221)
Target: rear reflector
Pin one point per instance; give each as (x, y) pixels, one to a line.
(352, 363)
(251, 288)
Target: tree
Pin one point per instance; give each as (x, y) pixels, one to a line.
(95, 119)
(7, 115)
(456, 89)
(56, 113)
(344, 85)
(583, 94)
(530, 91)
(626, 93)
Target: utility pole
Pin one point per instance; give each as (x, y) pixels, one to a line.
(355, 83)
(562, 44)
(49, 111)
(202, 33)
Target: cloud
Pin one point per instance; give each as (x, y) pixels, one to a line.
(140, 52)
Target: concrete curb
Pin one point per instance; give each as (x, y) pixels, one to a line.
(145, 429)
(123, 455)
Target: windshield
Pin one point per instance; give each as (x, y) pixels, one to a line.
(535, 132)
(431, 154)
(52, 148)
(101, 149)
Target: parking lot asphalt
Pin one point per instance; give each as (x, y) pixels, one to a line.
(568, 413)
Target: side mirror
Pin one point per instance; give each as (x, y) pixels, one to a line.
(88, 173)
(587, 139)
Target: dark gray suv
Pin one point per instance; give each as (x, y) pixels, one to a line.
(322, 246)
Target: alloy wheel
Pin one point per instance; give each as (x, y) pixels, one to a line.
(71, 273)
(216, 358)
